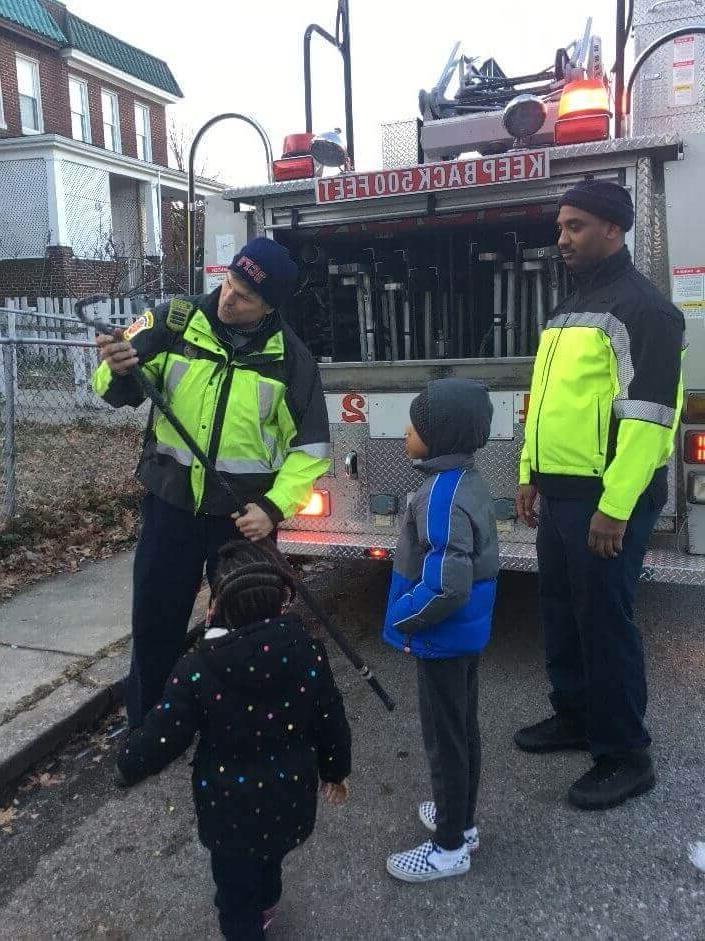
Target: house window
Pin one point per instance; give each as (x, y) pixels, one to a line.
(111, 121)
(80, 115)
(144, 134)
(2, 112)
(30, 96)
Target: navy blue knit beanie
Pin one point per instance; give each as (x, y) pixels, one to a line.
(607, 201)
(269, 270)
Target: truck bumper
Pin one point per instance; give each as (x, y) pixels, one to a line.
(660, 565)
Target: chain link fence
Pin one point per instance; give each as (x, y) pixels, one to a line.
(68, 458)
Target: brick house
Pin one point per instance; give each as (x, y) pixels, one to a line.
(85, 186)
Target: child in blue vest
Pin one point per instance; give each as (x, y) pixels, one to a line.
(440, 608)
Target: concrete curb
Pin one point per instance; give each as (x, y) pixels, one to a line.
(75, 705)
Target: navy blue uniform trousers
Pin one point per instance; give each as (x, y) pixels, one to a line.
(594, 651)
(172, 550)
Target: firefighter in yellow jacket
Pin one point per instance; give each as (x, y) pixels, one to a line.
(250, 393)
(605, 402)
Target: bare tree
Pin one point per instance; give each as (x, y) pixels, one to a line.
(179, 138)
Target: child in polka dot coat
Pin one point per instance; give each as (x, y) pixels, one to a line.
(271, 722)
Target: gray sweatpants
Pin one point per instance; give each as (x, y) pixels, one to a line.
(448, 691)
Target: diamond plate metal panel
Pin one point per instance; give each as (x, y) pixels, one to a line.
(660, 565)
(644, 217)
(660, 12)
(271, 189)
(384, 468)
(333, 545)
(389, 470)
(661, 273)
(349, 497)
(654, 105)
(260, 221)
(650, 142)
(400, 144)
(685, 123)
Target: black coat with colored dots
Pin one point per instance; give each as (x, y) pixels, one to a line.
(271, 723)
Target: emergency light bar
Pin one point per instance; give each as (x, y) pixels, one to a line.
(583, 113)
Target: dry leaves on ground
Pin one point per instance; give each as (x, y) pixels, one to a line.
(77, 501)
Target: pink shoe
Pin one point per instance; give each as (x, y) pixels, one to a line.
(268, 917)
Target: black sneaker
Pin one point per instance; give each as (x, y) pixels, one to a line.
(612, 780)
(554, 734)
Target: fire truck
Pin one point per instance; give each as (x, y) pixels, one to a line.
(443, 261)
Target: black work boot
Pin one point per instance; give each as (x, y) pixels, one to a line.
(554, 734)
(612, 780)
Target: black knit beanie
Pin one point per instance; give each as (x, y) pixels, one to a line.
(605, 200)
(420, 415)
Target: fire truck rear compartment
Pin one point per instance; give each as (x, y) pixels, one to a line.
(453, 291)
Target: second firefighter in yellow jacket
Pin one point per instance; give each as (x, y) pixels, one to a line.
(605, 403)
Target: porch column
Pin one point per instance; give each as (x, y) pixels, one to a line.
(58, 230)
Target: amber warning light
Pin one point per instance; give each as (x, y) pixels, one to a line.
(318, 505)
(583, 113)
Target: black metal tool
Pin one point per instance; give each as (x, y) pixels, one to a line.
(268, 547)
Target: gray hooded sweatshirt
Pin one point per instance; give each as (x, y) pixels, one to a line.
(446, 564)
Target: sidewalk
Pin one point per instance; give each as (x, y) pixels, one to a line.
(64, 651)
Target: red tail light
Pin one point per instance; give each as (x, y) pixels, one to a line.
(582, 130)
(293, 168)
(583, 113)
(694, 447)
(318, 505)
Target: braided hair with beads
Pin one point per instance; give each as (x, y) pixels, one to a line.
(248, 585)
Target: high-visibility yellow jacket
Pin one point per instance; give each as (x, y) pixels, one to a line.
(259, 412)
(606, 392)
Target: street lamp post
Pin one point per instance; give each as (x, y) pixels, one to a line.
(191, 207)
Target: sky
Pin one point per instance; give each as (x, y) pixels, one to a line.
(249, 58)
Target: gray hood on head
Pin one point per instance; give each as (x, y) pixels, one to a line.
(460, 414)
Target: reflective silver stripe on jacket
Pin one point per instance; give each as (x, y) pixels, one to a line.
(181, 455)
(645, 411)
(318, 450)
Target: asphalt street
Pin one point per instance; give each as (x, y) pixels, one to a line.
(80, 859)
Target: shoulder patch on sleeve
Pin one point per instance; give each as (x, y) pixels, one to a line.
(179, 313)
(144, 322)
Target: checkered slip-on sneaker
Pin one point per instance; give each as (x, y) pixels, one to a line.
(427, 862)
(427, 816)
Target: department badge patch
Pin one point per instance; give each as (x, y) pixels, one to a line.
(144, 322)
